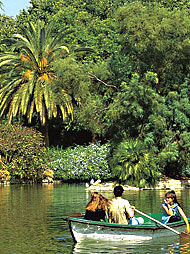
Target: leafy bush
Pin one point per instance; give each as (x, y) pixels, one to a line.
(81, 162)
(22, 153)
(134, 165)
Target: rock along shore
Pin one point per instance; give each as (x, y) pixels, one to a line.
(164, 184)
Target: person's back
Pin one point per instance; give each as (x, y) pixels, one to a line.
(97, 215)
(96, 208)
(119, 210)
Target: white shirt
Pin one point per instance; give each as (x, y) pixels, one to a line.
(119, 211)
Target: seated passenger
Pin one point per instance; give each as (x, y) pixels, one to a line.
(97, 207)
(120, 211)
(172, 210)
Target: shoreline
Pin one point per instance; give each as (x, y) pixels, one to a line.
(164, 184)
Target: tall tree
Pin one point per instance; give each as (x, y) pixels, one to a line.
(28, 79)
(156, 39)
(1, 5)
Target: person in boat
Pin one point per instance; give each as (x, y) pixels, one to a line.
(120, 211)
(172, 210)
(97, 207)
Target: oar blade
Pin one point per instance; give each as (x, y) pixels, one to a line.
(184, 236)
(75, 215)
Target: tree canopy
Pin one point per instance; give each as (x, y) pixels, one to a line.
(133, 86)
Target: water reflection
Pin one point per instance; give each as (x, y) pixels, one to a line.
(158, 246)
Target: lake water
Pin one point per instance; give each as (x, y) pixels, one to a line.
(32, 220)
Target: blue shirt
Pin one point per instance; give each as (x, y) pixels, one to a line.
(165, 216)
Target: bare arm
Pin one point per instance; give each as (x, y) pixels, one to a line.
(167, 208)
(185, 219)
(132, 211)
(129, 209)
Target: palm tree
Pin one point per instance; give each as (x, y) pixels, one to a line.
(28, 77)
(134, 164)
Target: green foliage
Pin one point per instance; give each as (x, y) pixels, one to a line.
(134, 103)
(22, 153)
(167, 132)
(156, 39)
(7, 28)
(27, 75)
(175, 4)
(81, 163)
(90, 93)
(89, 104)
(134, 164)
(73, 78)
(101, 35)
(121, 67)
(102, 9)
(90, 115)
(92, 21)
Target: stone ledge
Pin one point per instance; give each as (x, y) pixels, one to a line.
(164, 184)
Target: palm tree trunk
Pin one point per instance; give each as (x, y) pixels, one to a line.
(45, 133)
(1, 119)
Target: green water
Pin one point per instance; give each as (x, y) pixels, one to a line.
(32, 220)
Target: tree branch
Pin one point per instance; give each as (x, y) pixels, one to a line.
(93, 76)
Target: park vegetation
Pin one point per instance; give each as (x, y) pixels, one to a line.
(107, 83)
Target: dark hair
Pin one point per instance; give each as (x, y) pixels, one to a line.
(172, 194)
(118, 190)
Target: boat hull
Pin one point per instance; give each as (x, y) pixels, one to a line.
(83, 229)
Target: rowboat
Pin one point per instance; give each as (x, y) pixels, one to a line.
(82, 229)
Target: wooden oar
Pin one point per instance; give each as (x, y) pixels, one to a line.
(182, 234)
(75, 215)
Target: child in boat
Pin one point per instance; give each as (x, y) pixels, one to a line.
(97, 207)
(172, 210)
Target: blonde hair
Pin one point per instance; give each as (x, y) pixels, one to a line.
(97, 201)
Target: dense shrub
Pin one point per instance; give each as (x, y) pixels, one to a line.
(81, 162)
(22, 153)
(134, 164)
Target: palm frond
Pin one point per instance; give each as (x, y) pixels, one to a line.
(38, 96)
(5, 101)
(29, 52)
(19, 36)
(7, 41)
(25, 98)
(7, 92)
(30, 112)
(58, 39)
(47, 100)
(15, 103)
(26, 75)
(63, 111)
(42, 42)
(6, 62)
(43, 115)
